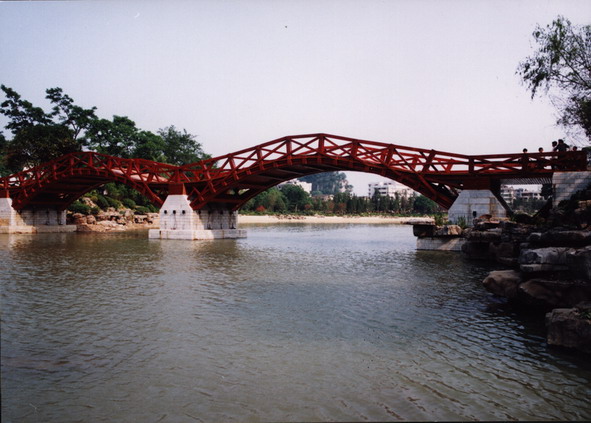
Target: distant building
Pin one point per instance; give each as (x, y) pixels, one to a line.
(510, 193)
(304, 185)
(389, 189)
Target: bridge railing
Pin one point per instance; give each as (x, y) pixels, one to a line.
(396, 157)
(299, 150)
(139, 170)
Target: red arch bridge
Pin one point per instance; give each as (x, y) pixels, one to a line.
(206, 195)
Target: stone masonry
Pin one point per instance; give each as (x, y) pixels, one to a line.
(179, 221)
(565, 184)
(31, 221)
(473, 203)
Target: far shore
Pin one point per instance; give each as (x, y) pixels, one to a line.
(271, 219)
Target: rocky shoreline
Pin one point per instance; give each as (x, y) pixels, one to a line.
(546, 264)
(113, 221)
(545, 259)
(550, 273)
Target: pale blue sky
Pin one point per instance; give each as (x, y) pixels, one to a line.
(424, 73)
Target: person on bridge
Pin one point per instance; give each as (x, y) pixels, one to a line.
(562, 146)
(524, 160)
(541, 162)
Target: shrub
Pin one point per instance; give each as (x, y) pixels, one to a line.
(79, 207)
(142, 210)
(102, 202)
(440, 219)
(462, 222)
(129, 203)
(114, 203)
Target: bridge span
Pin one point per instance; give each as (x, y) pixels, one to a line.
(200, 200)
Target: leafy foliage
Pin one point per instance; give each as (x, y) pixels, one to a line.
(562, 61)
(328, 182)
(36, 144)
(292, 198)
(180, 147)
(39, 136)
(79, 207)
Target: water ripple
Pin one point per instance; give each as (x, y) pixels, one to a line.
(294, 323)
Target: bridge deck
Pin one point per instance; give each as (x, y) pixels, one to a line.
(229, 181)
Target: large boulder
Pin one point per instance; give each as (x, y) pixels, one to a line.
(579, 263)
(557, 238)
(536, 294)
(492, 235)
(505, 252)
(503, 283)
(550, 255)
(448, 230)
(548, 294)
(543, 260)
(476, 250)
(78, 219)
(570, 328)
(423, 231)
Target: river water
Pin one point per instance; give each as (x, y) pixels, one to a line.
(293, 323)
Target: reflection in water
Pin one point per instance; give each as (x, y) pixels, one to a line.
(294, 323)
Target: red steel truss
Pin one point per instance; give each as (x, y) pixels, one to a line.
(60, 182)
(229, 181)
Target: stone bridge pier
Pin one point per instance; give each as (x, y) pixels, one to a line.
(479, 197)
(32, 220)
(179, 221)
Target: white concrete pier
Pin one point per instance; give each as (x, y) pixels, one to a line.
(565, 184)
(30, 221)
(473, 203)
(179, 221)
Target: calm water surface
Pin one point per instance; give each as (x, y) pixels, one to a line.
(294, 323)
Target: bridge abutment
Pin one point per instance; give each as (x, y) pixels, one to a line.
(565, 184)
(179, 221)
(473, 203)
(31, 220)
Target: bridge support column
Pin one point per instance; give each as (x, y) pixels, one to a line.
(473, 203)
(179, 221)
(31, 220)
(565, 184)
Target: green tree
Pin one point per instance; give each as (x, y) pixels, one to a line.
(297, 198)
(36, 144)
(21, 113)
(39, 136)
(149, 146)
(116, 138)
(4, 171)
(180, 147)
(562, 64)
(74, 117)
(424, 205)
(328, 182)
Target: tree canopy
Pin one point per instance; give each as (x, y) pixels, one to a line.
(328, 182)
(561, 67)
(39, 136)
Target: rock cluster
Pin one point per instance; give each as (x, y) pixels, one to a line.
(551, 272)
(112, 220)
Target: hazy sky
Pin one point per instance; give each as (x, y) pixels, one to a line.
(423, 73)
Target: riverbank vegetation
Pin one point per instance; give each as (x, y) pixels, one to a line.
(561, 68)
(293, 199)
(39, 136)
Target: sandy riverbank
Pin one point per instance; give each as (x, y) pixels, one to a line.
(246, 219)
